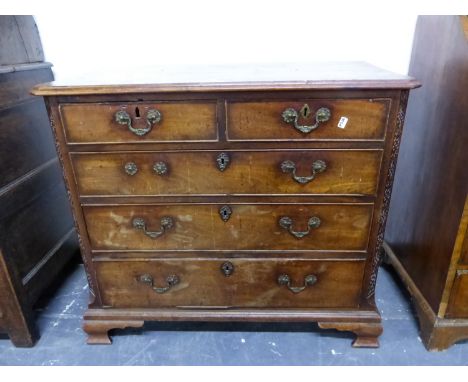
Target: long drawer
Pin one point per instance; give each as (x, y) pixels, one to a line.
(229, 227)
(314, 119)
(347, 172)
(139, 122)
(230, 283)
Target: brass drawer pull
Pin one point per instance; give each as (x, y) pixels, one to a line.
(291, 116)
(131, 168)
(166, 223)
(160, 168)
(152, 117)
(170, 282)
(286, 222)
(309, 280)
(318, 166)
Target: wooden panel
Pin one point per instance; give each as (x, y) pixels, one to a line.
(15, 87)
(458, 307)
(248, 172)
(26, 141)
(263, 120)
(181, 121)
(250, 227)
(252, 284)
(16, 315)
(431, 181)
(19, 40)
(34, 216)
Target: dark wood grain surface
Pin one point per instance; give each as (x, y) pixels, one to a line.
(247, 172)
(426, 229)
(24, 143)
(432, 181)
(37, 237)
(250, 227)
(253, 284)
(181, 121)
(366, 119)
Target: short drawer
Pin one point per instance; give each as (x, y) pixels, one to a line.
(345, 172)
(139, 122)
(458, 303)
(230, 283)
(229, 227)
(317, 119)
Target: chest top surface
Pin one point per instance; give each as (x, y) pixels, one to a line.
(206, 78)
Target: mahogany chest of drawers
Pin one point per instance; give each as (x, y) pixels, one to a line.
(231, 193)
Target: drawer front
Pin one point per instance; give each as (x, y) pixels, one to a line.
(139, 122)
(252, 283)
(230, 227)
(343, 120)
(458, 304)
(240, 172)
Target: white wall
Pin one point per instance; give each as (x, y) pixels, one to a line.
(174, 34)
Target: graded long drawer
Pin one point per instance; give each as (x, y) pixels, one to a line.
(314, 119)
(229, 227)
(230, 172)
(230, 283)
(139, 122)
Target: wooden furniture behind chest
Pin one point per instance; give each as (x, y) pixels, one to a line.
(233, 193)
(37, 237)
(426, 238)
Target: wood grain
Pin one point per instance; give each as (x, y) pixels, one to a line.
(24, 142)
(347, 172)
(212, 78)
(426, 210)
(181, 121)
(458, 307)
(36, 233)
(367, 119)
(350, 197)
(253, 284)
(437, 333)
(34, 216)
(250, 227)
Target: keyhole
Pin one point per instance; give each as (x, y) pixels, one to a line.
(305, 111)
(222, 161)
(137, 112)
(225, 213)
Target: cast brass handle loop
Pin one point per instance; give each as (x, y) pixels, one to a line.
(309, 280)
(291, 116)
(166, 223)
(160, 168)
(286, 222)
(152, 117)
(131, 168)
(318, 166)
(170, 282)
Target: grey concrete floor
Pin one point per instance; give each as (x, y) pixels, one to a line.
(63, 342)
